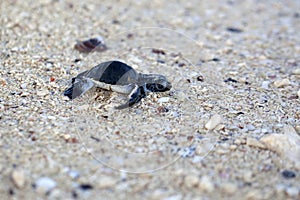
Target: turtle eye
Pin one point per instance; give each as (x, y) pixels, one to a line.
(160, 87)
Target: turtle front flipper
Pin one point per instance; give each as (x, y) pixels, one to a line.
(78, 87)
(135, 97)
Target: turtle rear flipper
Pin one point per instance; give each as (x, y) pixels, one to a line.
(135, 97)
(78, 87)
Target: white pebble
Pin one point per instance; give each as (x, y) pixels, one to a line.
(15, 49)
(296, 71)
(174, 197)
(265, 84)
(237, 142)
(280, 188)
(52, 117)
(106, 182)
(191, 181)
(158, 194)
(298, 93)
(287, 144)
(135, 60)
(181, 96)
(73, 174)
(292, 191)
(206, 184)
(23, 102)
(229, 188)
(282, 83)
(83, 107)
(264, 130)
(247, 176)
(44, 185)
(49, 65)
(213, 122)
(23, 85)
(253, 194)
(252, 142)
(250, 127)
(163, 99)
(42, 93)
(18, 178)
(197, 159)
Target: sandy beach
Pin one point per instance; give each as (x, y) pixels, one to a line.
(228, 129)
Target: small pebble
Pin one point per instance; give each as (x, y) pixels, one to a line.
(250, 127)
(161, 109)
(23, 85)
(158, 194)
(197, 159)
(296, 71)
(42, 93)
(215, 59)
(44, 185)
(106, 182)
(229, 188)
(86, 186)
(265, 84)
(51, 117)
(174, 197)
(230, 80)
(73, 174)
(2, 107)
(234, 30)
(292, 191)
(25, 94)
(191, 181)
(279, 188)
(253, 195)
(90, 45)
(288, 174)
(287, 144)
(213, 122)
(49, 65)
(282, 83)
(298, 93)
(206, 184)
(158, 51)
(297, 127)
(247, 176)
(222, 151)
(181, 96)
(187, 152)
(52, 79)
(163, 99)
(56, 193)
(18, 178)
(252, 142)
(200, 78)
(237, 141)
(233, 147)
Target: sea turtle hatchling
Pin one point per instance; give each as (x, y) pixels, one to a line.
(118, 77)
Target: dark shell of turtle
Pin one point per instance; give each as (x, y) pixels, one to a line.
(112, 72)
(93, 44)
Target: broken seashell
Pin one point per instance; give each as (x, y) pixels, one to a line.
(91, 45)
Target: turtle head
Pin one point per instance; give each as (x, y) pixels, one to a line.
(156, 83)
